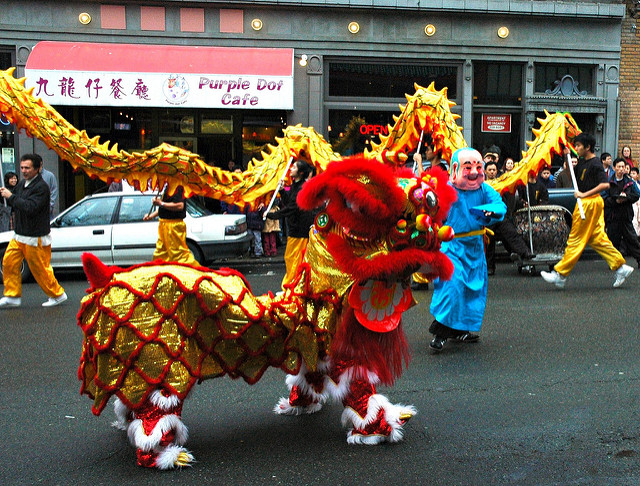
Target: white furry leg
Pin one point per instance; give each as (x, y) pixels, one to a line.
(371, 417)
(124, 415)
(174, 456)
(158, 433)
(306, 391)
(383, 421)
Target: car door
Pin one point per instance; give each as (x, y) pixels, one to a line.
(134, 240)
(86, 227)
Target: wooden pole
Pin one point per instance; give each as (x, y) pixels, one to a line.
(275, 193)
(575, 185)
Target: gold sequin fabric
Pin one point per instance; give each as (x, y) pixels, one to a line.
(172, 325)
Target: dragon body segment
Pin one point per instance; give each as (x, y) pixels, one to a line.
(428, 111)
(556, 132)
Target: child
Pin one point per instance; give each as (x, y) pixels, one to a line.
(269, 232)
(255, 224)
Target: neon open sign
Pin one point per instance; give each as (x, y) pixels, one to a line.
(371, 129)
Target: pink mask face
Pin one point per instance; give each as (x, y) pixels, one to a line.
(468, 173)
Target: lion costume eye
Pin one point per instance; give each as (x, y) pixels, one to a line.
(431, 199)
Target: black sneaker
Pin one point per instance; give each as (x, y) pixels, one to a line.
(437, 343)
(467, 337)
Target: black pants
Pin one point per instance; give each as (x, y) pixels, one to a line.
(438, 329)
(506, 232)
(622, 231)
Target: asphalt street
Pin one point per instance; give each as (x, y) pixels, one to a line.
(549, 396)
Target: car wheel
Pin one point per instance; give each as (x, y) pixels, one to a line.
(24, 268)
(196, 252)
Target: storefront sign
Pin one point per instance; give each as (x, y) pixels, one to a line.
(496, 123)
(374, 129)
(196, 82)
(161, 90)
(8, 156)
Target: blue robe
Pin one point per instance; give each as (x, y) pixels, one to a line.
(459, 303)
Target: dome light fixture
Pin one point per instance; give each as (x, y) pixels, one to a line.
(430, 29)
(256, 24)
(84, 18)
(303, 60)
(354, 27)
(503, 32)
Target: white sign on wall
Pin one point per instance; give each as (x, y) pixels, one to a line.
(58, 87)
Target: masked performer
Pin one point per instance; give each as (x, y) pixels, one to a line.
(458, 304)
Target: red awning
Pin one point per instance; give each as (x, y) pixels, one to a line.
(141, 58)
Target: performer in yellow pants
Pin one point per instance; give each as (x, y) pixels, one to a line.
(298, 220)
(589, 231)
(293, 254)
(590, 181)
(39, 260)
(172, 244)
(172, 231)
(32, 239)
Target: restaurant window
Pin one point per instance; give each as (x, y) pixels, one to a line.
(350, 132)
(370, 80)
(259, 130)
(497, 83)
(177, 123)
(216, 125)
(548, 76)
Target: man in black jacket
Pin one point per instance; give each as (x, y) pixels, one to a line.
(504, 230)
(618, 210)
(32, 239)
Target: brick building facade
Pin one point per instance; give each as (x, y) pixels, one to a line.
(629, 132)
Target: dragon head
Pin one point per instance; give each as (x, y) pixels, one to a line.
(378, 227)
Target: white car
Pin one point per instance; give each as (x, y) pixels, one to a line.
(110, 226)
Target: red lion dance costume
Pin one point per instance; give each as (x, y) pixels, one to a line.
(152, 331)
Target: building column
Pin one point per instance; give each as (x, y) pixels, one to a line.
(467, 101)
(612, 95)
(316, 88)
(529, 118)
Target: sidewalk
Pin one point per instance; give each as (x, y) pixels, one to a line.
(248, 262)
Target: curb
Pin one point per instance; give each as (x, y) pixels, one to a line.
(249, 262)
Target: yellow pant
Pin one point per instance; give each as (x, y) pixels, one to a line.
(172, 242)
(589, 231)
(293, 257)
(39, 260)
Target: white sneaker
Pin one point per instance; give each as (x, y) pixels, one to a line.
(55, 300)
(10, 302)
(554, 278)
(621, 275)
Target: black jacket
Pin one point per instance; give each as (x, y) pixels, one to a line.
(538, 194)
(620, 210)
(298, 221)
(31, 207)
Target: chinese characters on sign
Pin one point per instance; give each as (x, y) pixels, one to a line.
(161, 90)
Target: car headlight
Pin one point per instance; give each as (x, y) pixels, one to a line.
(235, 229)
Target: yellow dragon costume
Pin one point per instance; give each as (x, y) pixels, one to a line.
(154, 330)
